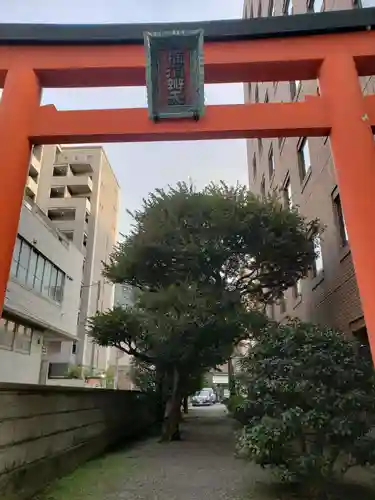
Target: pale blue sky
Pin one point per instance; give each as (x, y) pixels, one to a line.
(141, 167)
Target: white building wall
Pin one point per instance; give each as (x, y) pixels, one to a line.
(22, 368)
(50, 320)
(34, 228)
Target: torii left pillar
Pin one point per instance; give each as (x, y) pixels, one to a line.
(18, 106)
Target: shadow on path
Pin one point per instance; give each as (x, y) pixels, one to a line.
(202, 466)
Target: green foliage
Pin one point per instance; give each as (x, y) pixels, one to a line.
(197, 260)
(234, 402)
(223, 236)
(182, 325)
(310, 403)
(143, 376)
(75, 371)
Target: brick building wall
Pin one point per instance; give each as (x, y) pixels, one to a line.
(301, 171)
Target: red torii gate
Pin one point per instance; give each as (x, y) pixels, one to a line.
(334, 47)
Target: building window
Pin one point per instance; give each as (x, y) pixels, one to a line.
(361, 337)
(15, 337)
(318, 261)
(260, 9)
(7, 333)
(60, 171)
(62, 214)
(340, 221)
(16, 257)
(287, 195)
(304, 160)
(266, 98)
(260, 145)
(271, 164)
(288, 8)
(297, 289)
(31, 268)
(254, 167)
(57, 192)
(256, 94)
(23, 262)
(263, 187)
(315, 5)
(23, 339)
(271, 8)
(74, 348)
(282, 304)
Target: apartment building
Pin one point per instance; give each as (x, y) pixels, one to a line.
(41, 303)
(120, 362)
(79, 193)
(301, 171)
(32, 181)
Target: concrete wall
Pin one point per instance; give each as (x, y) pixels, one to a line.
(48, 431)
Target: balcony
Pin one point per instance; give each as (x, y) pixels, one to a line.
(79, 163)
(62, 214)
(81, 205)
(34, 169)
(79, 185)
(31, 188)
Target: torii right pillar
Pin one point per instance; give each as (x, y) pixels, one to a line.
(353, 151)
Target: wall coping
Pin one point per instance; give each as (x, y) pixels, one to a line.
(38, 388)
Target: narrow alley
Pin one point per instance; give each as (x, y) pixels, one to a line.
(202, 466)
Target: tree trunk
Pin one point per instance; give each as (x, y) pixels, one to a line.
(232, 385)
(186, 405)
(172, 416)
(160, 398)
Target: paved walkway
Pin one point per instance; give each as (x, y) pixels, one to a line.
(201, 467)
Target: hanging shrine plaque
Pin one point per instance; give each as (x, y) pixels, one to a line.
(175, 74)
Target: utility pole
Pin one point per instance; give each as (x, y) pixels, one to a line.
(93, 346)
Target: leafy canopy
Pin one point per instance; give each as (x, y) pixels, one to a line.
(182, 325)
(222, 236)
(309, 403)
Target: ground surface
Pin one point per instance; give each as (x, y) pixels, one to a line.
(201, 467)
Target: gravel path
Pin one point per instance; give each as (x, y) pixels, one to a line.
(202, 466)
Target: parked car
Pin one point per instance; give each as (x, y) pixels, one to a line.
(205, 397)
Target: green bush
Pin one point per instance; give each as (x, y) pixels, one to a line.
(310, 404)
(236, 405)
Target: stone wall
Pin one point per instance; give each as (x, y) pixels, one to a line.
(48, 431)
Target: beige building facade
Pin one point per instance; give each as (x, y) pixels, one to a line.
(79, 193)
(301, 171)
(42, 300)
